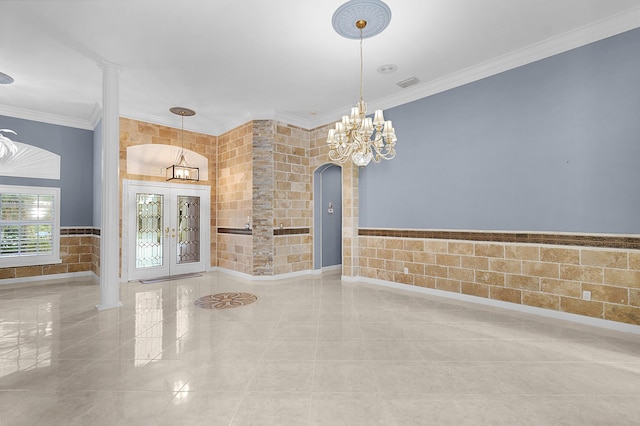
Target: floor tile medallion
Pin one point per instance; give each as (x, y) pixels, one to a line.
(225, 300)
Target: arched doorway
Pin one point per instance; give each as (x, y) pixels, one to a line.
(327, 217)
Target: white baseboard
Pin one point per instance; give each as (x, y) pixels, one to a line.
(264, 277)
(548, 313)
(52, 277)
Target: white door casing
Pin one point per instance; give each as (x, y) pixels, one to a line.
(165, 229)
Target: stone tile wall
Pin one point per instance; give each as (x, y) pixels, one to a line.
(292, 175)
(235, 252)
(541, 275)
(79, 252)
(235, 198)
(292, 253)
(293, 204)
(264, 174)
(264, 132)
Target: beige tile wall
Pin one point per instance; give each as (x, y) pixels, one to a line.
(264, 174)
(293, 190)
(234, 199)
(292, 253)
(235, 253)
(235, 183)
(79, 253)
(550, 277)
(292, 199)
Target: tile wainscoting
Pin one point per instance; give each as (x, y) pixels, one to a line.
(79, 252)
(551, 271)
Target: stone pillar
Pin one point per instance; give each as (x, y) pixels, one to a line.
(263, 196)
(109, 227)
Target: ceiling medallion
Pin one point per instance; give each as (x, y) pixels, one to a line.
(376, 13)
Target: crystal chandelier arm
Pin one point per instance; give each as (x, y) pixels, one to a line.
(340, 152)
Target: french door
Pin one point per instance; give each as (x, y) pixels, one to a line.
(166, 229)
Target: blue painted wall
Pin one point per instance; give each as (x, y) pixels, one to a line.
(550, 146)
(331, 222)
(327, 227)
(97, 175)
(75, 147)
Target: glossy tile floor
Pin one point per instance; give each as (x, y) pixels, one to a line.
(310, 351)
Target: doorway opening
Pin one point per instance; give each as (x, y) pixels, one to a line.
(165, 229)
(327, 217)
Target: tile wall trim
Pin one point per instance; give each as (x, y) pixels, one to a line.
(291, 231)
(235, 231)
(631, 242)
(78, 231)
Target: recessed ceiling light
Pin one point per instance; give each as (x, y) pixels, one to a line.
(387, 69)
(5, 79)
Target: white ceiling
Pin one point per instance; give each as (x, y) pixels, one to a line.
(236, 60)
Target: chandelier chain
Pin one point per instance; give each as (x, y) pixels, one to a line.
(182, 170)
(361, 67)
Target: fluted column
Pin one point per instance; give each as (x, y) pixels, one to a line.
(109, 232)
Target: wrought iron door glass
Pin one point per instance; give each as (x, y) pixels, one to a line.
(149, 223)
(188, 245)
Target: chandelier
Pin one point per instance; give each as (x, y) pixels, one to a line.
(182, 170)
(7, 148)
(357, 136)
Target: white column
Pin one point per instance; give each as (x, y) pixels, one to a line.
(109, 232)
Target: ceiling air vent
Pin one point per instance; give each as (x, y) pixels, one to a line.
(408, 82)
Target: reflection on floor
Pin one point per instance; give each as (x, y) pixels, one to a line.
(310, 351)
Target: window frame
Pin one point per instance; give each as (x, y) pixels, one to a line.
(8, 261)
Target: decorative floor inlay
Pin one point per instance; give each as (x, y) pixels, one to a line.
(225, 300)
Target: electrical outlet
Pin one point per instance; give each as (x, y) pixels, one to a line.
(586, 295)
(406, 270)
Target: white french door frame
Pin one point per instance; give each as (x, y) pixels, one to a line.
(129, 189)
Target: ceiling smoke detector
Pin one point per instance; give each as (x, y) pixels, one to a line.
(408, 82)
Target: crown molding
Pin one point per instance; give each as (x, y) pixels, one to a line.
(293, 119)
(282, 116)
(579, 37)
(167, 122)
(234, 123)
(96, 115)
(45, 117)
